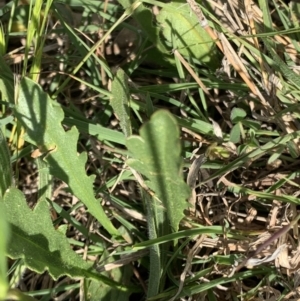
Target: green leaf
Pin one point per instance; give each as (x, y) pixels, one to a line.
(252, 124)
(249, 153)
(149, 105)
(190, 38)
(235, 134)
(275, 156)
(16, 294)
(6, 174)
(120, 101)
(157, 224)
(42, 119)
(4, 230)
(237, 115)
(6, 82)
(36, 241)
(280, 66)
(293, 149)
(156, 155)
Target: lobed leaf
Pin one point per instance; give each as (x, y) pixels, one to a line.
(42, 119)
(36, 241)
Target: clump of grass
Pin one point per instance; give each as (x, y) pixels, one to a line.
(109, 109)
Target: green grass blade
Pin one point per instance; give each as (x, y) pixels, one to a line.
(278, 142)
(6, 174)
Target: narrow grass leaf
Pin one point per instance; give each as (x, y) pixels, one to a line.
(253, 155)
(41, 15)
(3, 44)
(281, 66)
(101, 132)
(42, 120)
(6, 82)
(197, 288)
(33, 21)
(275, 156)
(252, 124)
(6, 174)
(156, 155)
(293, 149)
(149, 105)
(155, 218)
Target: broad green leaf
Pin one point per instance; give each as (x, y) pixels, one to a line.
(120, 101)
(237, 115)
(34, 239)
(42, 119)
(235, 134)
(156, 154)
(191, 39)
(4, 230)
(6, 174)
